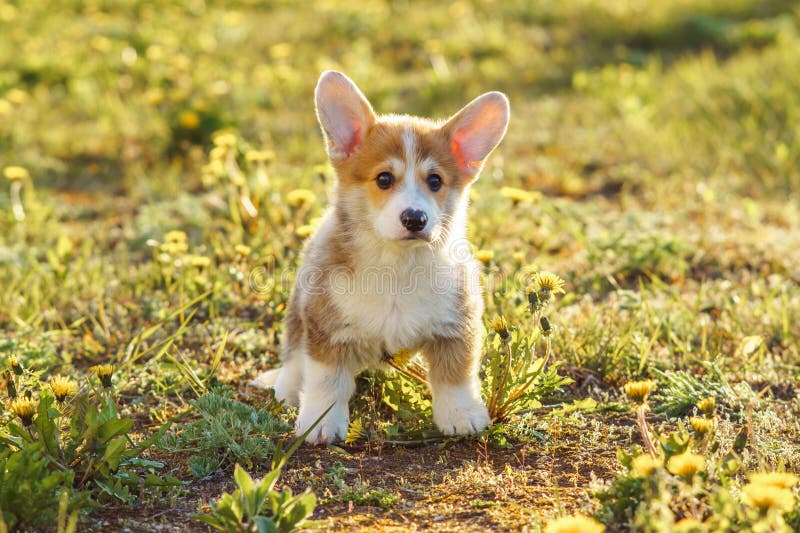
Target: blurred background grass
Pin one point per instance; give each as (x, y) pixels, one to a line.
(124, 95)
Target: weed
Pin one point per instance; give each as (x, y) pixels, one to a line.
(228, 431)
(256, 507)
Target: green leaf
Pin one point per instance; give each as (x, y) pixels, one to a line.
(265, 525)
(113, 452)
(114, 428)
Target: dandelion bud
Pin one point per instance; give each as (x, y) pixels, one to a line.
(24, 408)
(533, 301)
(15, 366)
(10, 386)
(639, 390)
(547, 329)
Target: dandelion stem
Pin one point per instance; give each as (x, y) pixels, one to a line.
(493, 411)
(16, 201)
(641, 421)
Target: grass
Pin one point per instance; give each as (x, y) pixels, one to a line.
(662, 137)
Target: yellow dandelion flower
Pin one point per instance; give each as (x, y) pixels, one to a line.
(304, 231)
(224, 138)
(259, 156)
(780, 480)
(574, 524)
(13, 173)
(242, 250)
(217, 154)
(355, 432)
(689, 525)
(104, 373)
(402, 357)
(24, 408)
(17, 96)
(765, 497)
(189, 120)
(546, 284)
(700, 425)
(484, 256)
(707, 405)
(199, 261)
(62, 387)
(518, 257)
(519, 196)
(686, 465)
(175, 236)
(174, 248)
(639, 390)
(500, 326)
(301, 197)
(644, 465)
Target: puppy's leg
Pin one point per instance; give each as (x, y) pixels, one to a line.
(288, 379)
(325, 384)
(455, 387)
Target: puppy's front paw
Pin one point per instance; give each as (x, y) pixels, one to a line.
(286, 387)
(456, 411)
(332, 428)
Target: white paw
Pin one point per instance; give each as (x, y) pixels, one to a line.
(459, 411)
(332, 428)
(287, 388)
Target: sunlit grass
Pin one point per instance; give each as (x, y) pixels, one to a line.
(162, 170)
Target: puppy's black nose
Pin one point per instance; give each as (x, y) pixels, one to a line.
(413, 219)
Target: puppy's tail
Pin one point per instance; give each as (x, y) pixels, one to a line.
(265, 380)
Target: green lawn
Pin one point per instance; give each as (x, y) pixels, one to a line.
(146, 222)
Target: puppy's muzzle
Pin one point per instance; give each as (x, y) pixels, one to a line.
(413, 219)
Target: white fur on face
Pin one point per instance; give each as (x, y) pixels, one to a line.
(410, 193)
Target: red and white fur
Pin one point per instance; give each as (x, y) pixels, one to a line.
(389, 268)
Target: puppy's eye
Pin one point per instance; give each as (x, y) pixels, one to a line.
(384, 180)
(434, 182)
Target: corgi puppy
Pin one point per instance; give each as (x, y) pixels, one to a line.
(389, 267)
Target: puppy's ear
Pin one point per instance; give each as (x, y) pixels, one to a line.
(343, 113)
(476, 130)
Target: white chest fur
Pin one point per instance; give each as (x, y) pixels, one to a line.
(399, 303)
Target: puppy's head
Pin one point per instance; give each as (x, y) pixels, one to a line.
(404, 177)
